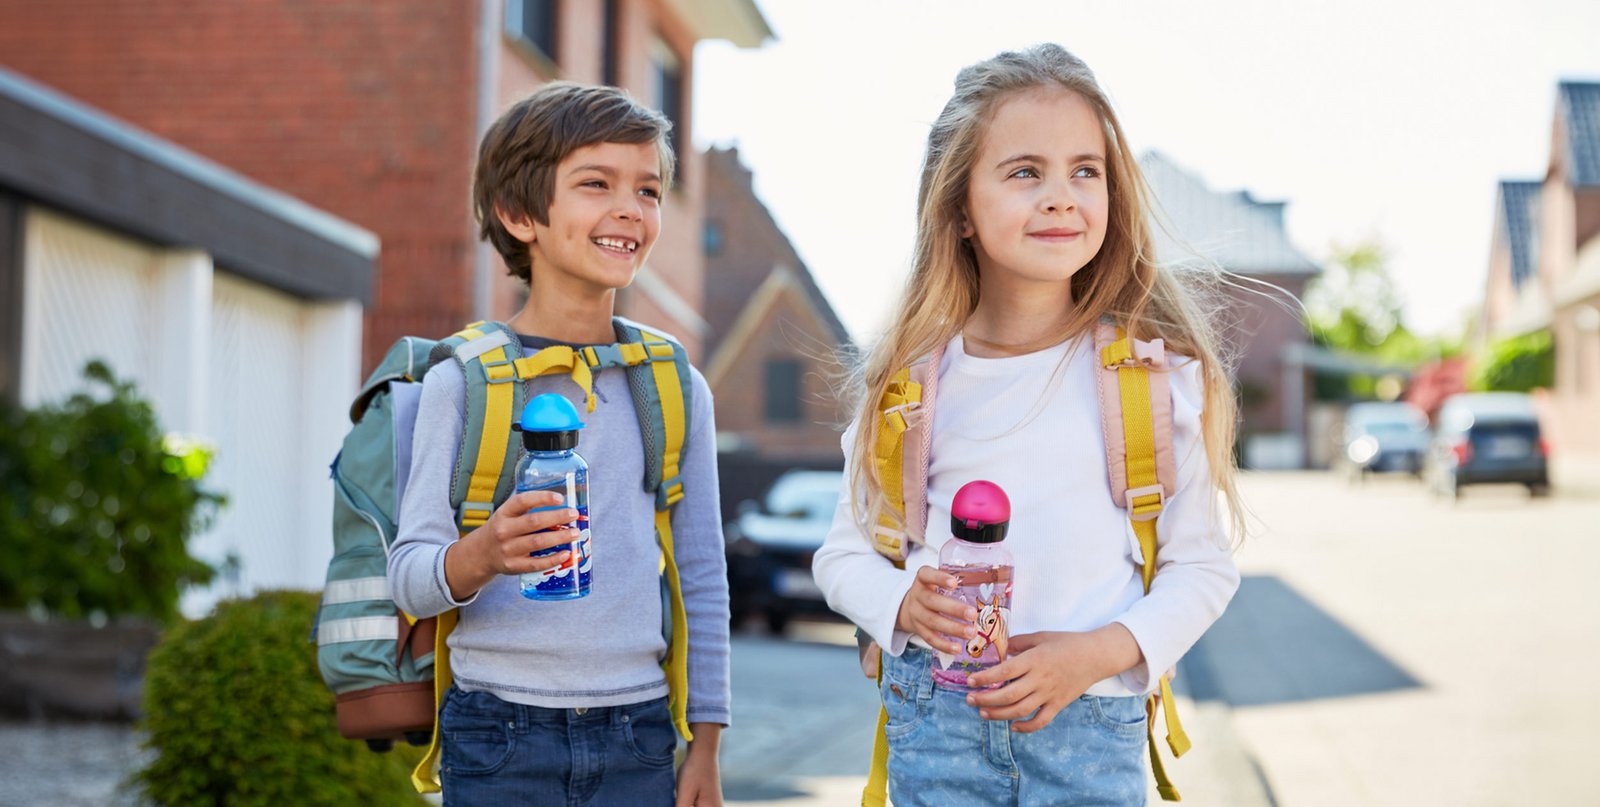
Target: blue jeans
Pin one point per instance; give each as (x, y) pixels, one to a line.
(500, 753)
(941, 754)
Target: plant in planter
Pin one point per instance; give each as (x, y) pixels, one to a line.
(237, 714)
(97, 507)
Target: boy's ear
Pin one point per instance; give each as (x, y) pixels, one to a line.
(520, 225)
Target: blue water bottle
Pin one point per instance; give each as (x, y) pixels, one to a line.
(549, 427)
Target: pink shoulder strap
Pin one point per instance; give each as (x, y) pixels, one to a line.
(1152, 355)
(916, 447)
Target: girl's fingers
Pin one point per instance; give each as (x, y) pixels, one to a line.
(1016, 689)
(1008, 670)
(1013, 711)
(1046, 714)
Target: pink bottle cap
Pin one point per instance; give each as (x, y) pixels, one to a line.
(980, 512)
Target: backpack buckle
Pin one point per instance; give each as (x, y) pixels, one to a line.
(899, 416)
(1148, 510)
(669, 493)
(475, 514)
(500, 372)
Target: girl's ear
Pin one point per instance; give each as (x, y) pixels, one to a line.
(967, 230)
(520, 225)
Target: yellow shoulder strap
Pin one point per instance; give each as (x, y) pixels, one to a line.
(676, 664)
(1138, 430)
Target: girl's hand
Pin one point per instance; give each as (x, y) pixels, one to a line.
(503, 543)
(934, 616)
(1049, 670)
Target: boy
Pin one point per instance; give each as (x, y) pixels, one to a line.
(565, 702)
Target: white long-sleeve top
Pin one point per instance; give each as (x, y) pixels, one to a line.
(1031, 424)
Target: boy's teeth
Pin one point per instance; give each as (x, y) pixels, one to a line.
(613, 243)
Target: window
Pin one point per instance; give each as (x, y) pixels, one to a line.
(667, 80)
(608, 43)
(10, 298)
(783, 390)
(533, 22)
(712, 241)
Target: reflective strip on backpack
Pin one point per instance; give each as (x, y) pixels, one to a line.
(359, 589)
(358, 629)
(473, 348)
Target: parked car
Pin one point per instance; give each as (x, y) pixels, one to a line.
(1381, 436)
(1489, 437)
(770, 544)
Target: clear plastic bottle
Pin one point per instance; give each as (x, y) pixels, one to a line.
(549, 427)
(977, 557)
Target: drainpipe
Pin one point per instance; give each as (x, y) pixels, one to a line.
(489, 23)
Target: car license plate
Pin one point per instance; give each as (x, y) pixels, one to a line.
(1507, 447)
(796, 583)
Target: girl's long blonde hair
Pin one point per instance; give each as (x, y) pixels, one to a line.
(1123, 280)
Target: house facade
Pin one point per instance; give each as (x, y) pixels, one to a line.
(777, 349)
(373, 111)
(233, 308)
(1544, 269)
(1246, 236)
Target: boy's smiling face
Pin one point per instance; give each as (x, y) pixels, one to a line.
(604, 216)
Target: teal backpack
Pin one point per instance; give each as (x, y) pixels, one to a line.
(388, 671)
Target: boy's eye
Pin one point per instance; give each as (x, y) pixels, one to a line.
(1025, 172)
(653, 193)
(593, 183)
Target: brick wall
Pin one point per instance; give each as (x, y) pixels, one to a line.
(362, 109)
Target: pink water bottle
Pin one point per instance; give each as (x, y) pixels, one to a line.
(976, 556)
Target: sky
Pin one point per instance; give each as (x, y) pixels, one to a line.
(1390, 121)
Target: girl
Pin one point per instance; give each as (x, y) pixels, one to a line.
(1032, 226)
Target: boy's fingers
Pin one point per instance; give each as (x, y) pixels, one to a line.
(542, 540)
(525, 565)
(545, 519)
(527, 500)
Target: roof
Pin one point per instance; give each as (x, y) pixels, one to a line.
(1579, 105)
(1238, 232)
(1516, 211)
(71, 156)
(737, 21)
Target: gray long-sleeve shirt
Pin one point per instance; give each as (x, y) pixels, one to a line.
(604, 649)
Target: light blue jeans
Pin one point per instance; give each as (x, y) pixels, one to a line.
(941, 754)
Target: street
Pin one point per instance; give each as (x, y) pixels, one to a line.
(1385, 648)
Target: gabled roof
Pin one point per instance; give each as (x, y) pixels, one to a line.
(1238, 232)
(1579, 106)
(1516, 211)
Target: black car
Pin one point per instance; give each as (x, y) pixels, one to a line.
(1489, 437)
(770, 545)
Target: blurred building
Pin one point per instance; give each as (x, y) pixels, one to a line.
(774, 341)
(373, 111)
(235, 309)
(1246, 236)
(369, 111)
(1544, 267)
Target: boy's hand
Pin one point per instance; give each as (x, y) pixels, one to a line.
(699, 782)
(1049, 670)
(503, 543)
(934, 616)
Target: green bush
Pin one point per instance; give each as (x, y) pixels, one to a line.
(237, 714)
(1519, 364)
(97, 507)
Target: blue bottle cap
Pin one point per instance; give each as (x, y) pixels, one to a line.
(549, 423)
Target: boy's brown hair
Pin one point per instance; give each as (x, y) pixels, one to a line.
(519, 154)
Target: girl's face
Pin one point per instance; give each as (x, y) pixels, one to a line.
(1037, 198)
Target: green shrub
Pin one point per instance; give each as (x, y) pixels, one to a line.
(1519, 364)
(237, 714)
(97, 507)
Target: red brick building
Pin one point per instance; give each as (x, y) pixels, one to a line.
(372, 111)
(774, 339)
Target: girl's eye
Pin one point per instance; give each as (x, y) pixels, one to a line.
(1088, 171)
(1024, 173)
